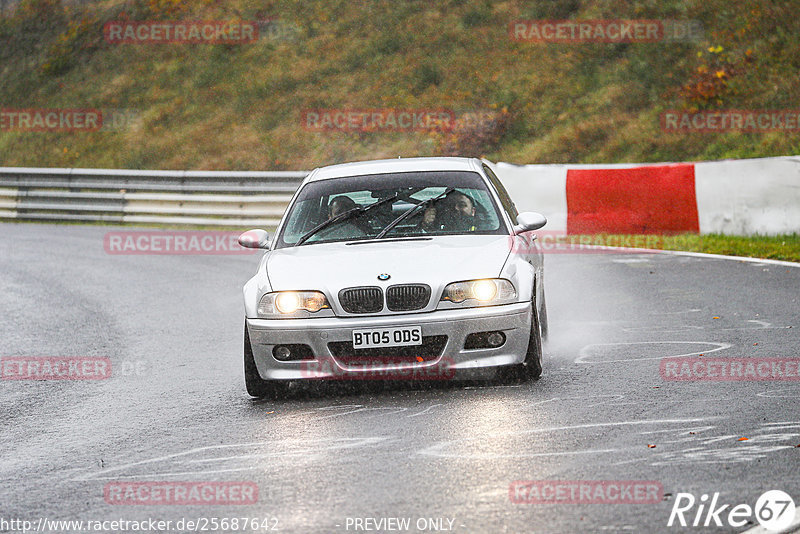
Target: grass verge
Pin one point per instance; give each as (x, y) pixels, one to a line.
(780, 247)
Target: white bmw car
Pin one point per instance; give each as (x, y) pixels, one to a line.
(395, 269)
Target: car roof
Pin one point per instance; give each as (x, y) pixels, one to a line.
(385, 166)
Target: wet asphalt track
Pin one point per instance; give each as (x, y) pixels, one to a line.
(175, 408)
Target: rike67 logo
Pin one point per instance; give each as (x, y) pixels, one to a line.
(774, 510)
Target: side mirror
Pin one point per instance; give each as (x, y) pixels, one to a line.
(255, 239)
(529, 220)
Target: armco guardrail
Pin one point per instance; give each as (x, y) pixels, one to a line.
(236, 198)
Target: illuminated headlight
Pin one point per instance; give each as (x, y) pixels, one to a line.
(488, 292)
(281, 304)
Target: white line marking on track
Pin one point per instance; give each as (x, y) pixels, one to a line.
(710, 256)
(545, 401)
(693, 310)
(662, 329)
(631, 260)
(625, 462)
(582, 354)
(698, 429)
(734, 258)
(362, 409)
(791, 394)
(248, 446)
(608, 401)
(790, 423)
(429, 408)
(578, 398)
(436, 450)
(506, 386)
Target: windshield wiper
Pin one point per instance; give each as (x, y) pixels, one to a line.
(412, 211)
(349, 214)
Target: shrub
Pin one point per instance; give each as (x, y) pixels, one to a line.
(708, 84)
(81, 36)
(475, 133)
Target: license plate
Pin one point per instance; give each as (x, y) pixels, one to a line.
(387, 337)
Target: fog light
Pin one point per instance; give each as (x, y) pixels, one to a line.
(292, 352)
(495, 339)
(485, 340)
(282, 352)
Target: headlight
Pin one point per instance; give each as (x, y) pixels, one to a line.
(487, 292)
(283, 304)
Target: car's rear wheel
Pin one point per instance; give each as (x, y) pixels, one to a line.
(255, 385)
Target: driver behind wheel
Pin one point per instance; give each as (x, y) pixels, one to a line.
(458, 213)
(340, 205)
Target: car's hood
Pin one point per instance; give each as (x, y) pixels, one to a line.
(435, 261)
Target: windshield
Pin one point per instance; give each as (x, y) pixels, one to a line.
(467, 209)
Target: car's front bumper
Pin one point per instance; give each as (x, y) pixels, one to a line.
(455, 361)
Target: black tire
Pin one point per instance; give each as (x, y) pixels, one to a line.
(255, 385)
(543, 319)
(531, 368)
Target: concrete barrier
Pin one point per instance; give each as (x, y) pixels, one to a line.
(735, 197)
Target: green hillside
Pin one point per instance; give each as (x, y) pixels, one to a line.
(240, 106)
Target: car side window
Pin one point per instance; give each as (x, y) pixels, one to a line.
(505, 199)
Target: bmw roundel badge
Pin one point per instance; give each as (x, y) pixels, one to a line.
(383, 276)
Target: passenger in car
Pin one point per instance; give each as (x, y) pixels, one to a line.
(353, 228)
(428, 222)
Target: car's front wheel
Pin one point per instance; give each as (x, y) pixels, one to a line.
(255, 385)
(533, 356)
(543, 324)
(531, 368)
